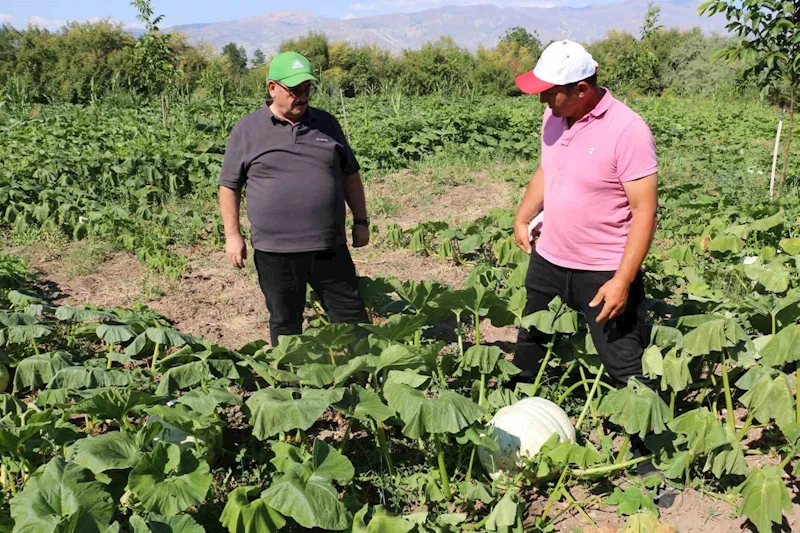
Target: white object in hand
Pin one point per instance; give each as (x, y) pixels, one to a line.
(535, 225)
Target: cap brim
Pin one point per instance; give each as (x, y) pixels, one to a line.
(296, 79)
(530, 84)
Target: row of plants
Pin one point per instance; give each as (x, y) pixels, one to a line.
(385, 426)
(120, 176)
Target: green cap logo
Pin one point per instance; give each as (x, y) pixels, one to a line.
(291, 69)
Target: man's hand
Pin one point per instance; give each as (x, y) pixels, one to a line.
(360, 235)
(235, 249)
(522, 237)
(615, 295)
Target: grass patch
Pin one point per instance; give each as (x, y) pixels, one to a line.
(84, 257)
(37, 245)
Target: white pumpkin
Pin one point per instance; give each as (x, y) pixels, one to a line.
(520, 430)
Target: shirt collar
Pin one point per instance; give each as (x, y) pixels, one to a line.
(603, 105)
(308, 117)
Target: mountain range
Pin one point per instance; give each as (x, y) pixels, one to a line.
(470, 26)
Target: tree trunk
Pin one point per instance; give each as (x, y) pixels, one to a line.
(775, 156)
(787, 153)
(164, 109)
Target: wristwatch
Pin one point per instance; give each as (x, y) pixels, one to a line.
(361, 221)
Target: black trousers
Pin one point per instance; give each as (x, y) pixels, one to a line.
(620, 342)
(332, 275)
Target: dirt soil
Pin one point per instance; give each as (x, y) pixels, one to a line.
(224, 305)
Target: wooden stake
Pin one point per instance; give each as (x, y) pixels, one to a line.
(775, 156)
(164, 109)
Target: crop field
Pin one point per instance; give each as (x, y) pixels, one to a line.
(137, 393)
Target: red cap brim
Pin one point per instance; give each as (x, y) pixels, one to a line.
(530, 84)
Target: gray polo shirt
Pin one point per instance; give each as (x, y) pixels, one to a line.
(294, 177)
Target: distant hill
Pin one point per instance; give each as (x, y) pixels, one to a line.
(470, 26)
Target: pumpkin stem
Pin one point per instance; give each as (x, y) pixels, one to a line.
(442, 467)
(546, 359)
(554, 495)
(728, 397)
(623, 449)
(589, 399)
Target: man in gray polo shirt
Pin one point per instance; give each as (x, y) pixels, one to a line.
(299, 172)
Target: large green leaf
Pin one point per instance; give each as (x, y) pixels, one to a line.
(482, 357)
(247, 512)
(110, 451)
(115, 334)
(726, 243)
(272, 411)
(782, 348)
(713, 336)
(380, 522)
(335, 336)
(115, 403)
(310, 500)
(728, 458)
(765, 497)
(65, 494)
(676, 372)
(330, 465)
(166, 524)
(504, 514)
(771, 399)
(637, 408)
(774, 277)
(167, 336)
(702, 429)
(37, 371)
(167, 480)
(22, 334)
(82, 377)
(556, 318)
(363, 403)
(316, 374)
(767, 223)
(397, 327)
(82, 314)
(205, 402)
(450, 412)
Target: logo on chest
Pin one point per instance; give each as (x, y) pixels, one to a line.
(591, 150)
(322, 139)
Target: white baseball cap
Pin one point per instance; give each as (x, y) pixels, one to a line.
(561, 63)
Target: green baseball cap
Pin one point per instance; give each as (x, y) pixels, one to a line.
(291, 69)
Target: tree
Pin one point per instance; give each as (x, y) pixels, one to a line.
(524, 39)
(237, 56)
(650, 24)
(314, 46)
(770, 42)
(258, 58)
(153, 58)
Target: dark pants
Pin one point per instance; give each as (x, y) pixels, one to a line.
(620, 342)
(332, 275)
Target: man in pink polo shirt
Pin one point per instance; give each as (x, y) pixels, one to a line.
(597, 185)
(596, 189)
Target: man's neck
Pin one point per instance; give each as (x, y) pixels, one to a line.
(590, 105)
(280, 115)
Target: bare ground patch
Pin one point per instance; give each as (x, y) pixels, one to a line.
(407, 199)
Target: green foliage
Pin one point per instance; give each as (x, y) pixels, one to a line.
(314, 46)
(237, 57)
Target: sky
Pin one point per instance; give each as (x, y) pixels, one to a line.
(52, 14)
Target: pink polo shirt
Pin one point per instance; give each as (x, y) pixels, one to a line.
(586, 212)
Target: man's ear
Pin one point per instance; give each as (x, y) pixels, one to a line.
(271, 88)
(583, 89)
